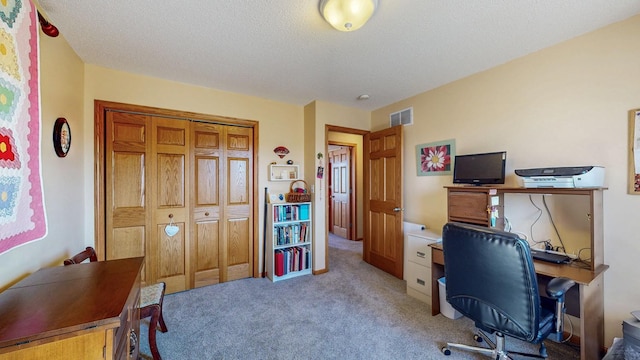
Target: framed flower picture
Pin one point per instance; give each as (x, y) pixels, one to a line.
(435, 158)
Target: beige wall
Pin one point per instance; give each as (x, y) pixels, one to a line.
(61, 80)
(317, 115)
(565, 105)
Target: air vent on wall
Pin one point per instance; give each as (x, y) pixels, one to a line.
(402, 117)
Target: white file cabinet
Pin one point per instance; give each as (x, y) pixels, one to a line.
(418, 263)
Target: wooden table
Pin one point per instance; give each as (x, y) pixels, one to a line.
(83, 311)
(586, 300)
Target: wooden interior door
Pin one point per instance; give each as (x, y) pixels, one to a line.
(329, 175)
(340, 191)
(170, 202)
(383, 237)
(207, 245)
(239, 203)
(127, 209)
(146, 188)
(223, 203)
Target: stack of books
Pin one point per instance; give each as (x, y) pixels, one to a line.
(292, 259)
(290, 234)
(283, 213)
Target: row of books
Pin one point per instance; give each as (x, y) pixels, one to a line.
(290, 234)
(290, 212)
(292, 259)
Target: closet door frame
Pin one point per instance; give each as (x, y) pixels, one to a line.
(100, 109)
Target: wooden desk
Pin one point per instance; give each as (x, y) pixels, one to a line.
(84, 311)
(586, 300)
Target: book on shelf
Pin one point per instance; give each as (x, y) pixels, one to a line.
(296, 258)
(290, 234)
(288, 212)
(304, 212)
(278, 263)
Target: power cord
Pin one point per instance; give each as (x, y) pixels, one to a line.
(585, 263)
(570, 329)
(580, 252)
(547, 243)
(535, 242)
(544, 201)
(507, 225)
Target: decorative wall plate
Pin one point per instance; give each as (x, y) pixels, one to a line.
(281, 151)
(61, 137)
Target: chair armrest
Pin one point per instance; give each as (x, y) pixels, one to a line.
(557, 287)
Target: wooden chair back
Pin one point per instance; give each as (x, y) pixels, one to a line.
(88, 253)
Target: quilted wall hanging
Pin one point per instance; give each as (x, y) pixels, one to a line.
(22, 214)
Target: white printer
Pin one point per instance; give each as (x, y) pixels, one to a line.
(562, 177)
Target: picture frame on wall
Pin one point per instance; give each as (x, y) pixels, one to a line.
(634, 154)
(61, 137)
(435, 158)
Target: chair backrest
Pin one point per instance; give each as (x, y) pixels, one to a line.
(490, 278)
(88, 253)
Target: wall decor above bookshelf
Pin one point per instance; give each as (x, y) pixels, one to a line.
(283, 172)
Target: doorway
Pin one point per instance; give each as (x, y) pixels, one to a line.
(379, 189)
(338, 137)
(341, 185)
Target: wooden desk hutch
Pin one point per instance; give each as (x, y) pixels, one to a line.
(86, 311)
(585, 300)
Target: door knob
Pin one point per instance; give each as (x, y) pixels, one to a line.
(398, 209)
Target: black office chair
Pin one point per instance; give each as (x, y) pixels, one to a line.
(491, 280)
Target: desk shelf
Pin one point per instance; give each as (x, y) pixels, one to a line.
(473, 205)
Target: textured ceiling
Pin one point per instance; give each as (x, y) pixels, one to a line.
(283, 50)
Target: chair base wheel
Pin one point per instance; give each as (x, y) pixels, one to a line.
(446, 351)
(477, 338)
(543, 351)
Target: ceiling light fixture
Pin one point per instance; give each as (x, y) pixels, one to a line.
(347, 15)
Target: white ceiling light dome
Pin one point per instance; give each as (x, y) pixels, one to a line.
(347, 15)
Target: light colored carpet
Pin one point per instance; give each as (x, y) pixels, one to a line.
(354, 311)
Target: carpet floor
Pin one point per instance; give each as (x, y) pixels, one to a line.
(354, 311)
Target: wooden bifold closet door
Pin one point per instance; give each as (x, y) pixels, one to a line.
(222, 203)
(179, 192)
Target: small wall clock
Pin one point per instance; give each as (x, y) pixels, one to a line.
(61, 137)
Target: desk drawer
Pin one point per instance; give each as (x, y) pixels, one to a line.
(418, 250)
(419, 278)
(468, 207)
(438, 256)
